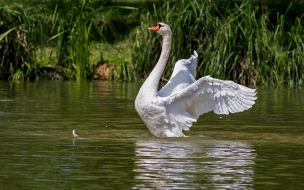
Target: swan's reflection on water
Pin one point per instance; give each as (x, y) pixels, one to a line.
(195, 164)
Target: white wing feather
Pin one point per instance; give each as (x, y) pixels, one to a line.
(182, 76)
(204, 95)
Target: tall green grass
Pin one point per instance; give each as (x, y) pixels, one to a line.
(73, 31)
(243, 40)
(18, 31)
(73, 25)
(70, 26)
(237, 42)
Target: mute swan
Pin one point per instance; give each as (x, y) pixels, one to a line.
(183, 99)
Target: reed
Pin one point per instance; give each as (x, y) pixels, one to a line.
(236, 42)
(72, 27)
(243, 41)
(295, 56)
(18, 31)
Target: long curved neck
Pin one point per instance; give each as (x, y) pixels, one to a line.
(150, 86)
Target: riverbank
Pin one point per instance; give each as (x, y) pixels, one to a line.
(246, 41)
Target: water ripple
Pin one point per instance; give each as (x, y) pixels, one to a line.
(184, 165)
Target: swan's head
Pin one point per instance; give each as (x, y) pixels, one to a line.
(161, 28)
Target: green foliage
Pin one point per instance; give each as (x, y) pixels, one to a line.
(235, 42)
(71, 26)
(18, 31)
(125, 72)
(244, 41)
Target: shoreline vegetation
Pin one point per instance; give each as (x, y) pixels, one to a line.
(250, 42)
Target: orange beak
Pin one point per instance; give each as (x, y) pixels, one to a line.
(154, 28)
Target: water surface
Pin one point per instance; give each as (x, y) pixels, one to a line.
(261, 148)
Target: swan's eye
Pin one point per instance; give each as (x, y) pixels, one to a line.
(160, 25)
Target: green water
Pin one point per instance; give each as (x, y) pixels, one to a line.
(262, 148)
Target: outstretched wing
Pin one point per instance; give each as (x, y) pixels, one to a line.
(182, 76)
(208, 94)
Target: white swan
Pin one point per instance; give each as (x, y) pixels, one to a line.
(183, 99)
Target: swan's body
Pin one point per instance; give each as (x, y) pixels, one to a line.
(183, 99)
